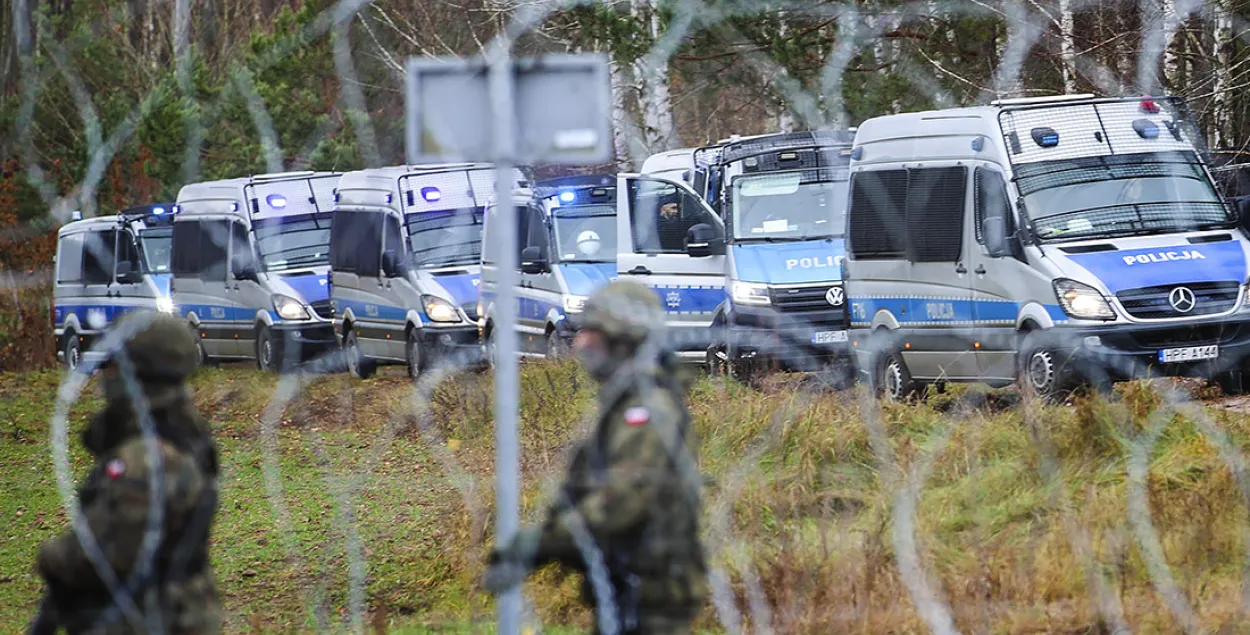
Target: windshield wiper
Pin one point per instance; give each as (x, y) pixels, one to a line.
(313, 259)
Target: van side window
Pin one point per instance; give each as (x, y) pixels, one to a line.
(877, 214)
(98, 257)
(393, 239)
(241, 254)
(356, 243)
(199, 249)
(662, 214)
(991, 200)
(935, 213)
(537, 235)
(69, 259)
(126, 251)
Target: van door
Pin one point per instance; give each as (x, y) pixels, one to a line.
(396, 294)
(247, 296)
(200, 267)
(99, 287)
(131, 295)
(990, 275)
(356, 269)
(539, 293)
(653, 219)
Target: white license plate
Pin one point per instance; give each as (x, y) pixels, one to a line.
(828, 337)
(1188, 354)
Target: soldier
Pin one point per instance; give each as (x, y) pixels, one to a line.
(173, 590)
(633, 487)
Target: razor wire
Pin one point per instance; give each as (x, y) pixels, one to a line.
(813, 103)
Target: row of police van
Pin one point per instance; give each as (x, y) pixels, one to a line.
(1051, 242)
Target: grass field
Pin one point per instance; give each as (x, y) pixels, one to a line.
(1021, 523)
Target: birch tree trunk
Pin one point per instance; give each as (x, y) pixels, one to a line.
(1222, 23)
(622, 120)
(652, 74)
(1067, 45)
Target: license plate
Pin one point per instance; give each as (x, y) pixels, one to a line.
(1188, 354)
(828, 337)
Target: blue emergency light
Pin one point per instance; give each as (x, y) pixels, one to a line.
(567, 197)
(276, 201)
(1045, 137)
(1146, 129)
(431, 194)
(157, 211)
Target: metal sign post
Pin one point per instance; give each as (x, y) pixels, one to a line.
(461, 110)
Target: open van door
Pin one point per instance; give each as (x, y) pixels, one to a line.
(670, 240)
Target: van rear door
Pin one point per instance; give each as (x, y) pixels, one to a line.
(654, 217)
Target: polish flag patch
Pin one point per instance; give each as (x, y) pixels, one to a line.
(115, 469)
(637, 416)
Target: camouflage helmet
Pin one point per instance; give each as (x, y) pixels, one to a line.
(163, 349)
(624, 311)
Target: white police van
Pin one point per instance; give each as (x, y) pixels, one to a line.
(105, 267)
(783, 200)
(677, 165)
(405, 257)
(671, 240)
(251, 265)
(566, 235)
(1050, 241)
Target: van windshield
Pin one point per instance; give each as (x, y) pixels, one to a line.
(291, 242)
(788, 206)
(585, 233)
(156, 245)
(446, 238)
(1123, 195)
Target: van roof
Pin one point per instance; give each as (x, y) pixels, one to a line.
(372, 177)
(231, 188)
(88, 223)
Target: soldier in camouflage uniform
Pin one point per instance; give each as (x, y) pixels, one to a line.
(173, 591)
(633, 487)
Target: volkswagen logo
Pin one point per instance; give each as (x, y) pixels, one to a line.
(834, 296)
(1182, 299)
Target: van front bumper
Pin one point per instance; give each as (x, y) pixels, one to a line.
(455, 345)
(1120, 352)
(804, 342)
(308, 340)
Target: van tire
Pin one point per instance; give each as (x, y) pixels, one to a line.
(892, 380)
(556, 348)
(412, 353)
(359, 366)
(73, 352)
(1043, 371)
(266, 353)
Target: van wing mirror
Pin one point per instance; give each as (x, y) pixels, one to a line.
(1243, 211)
(534, 260)
(392, 267)
(127, 274)
(994, 231)
(246, 272)
(703, 240)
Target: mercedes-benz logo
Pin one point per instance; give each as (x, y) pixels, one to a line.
(834, 296)
(1182, 299)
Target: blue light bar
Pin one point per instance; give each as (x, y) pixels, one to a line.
(567, 197)
(157, 211)
(431, 194)
(1146, 129)
(276, 201)
(1045, 137)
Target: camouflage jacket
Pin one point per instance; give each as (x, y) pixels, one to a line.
(634, 486)
(115, 502)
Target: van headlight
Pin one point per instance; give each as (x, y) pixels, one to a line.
(574, 303)
(165, 305)
(1082, 301)
(750, 293)
(289, 308)
(439, 310)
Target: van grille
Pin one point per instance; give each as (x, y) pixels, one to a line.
(808, 304)
(1188, 335)
(323, 308)
(1153, 303)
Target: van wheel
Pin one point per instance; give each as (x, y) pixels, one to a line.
(893, 380)
(266, 351)
(356, 363)
(1042, 371)
(73, 353)
(413, 354)
(556, 348)
(492, 350)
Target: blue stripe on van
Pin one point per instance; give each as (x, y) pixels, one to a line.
(111, 312)
(374, 311)
(945, 311)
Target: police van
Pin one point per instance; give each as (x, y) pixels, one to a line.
(1050, 241)
(783, 201)
(251, 265)
(567, 239)
(672, 164)
(405, 256)
(671, 240)
(105, 267)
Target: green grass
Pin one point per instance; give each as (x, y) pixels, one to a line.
(809, 518)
